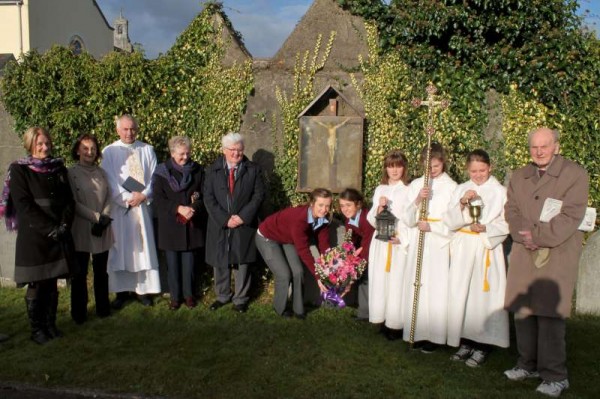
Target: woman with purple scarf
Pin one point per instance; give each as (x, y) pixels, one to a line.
(181, 217)
(38, 203)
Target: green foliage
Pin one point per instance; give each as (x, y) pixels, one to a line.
(545, 68)
(286, 131)
(387, 90)
(185, 92)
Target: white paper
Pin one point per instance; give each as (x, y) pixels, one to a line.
(551, 208)
(589, 220)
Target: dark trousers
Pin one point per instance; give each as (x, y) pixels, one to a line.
(223, 284)
(79, 290)
(363, 298)
(542, 346)
(180, 266)
(284, 262)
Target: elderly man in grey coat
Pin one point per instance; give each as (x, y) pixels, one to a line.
(546, 203)
(233, 193)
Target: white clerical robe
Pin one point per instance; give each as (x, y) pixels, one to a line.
(432, 313)
(477, 280)
(132, 260)
(387, 261)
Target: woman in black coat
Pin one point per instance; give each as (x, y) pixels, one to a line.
(181, 218)
(233, 193)
(37, 195)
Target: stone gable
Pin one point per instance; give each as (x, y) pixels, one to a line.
(323, 17)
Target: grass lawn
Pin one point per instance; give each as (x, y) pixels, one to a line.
(203, 354)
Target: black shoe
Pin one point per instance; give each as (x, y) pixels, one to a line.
(240, 308)
(288, 314)
(40, 337)
(54, 332)
(429, 347)
(393, 335)
(118, 303)
(145, 300)
(360, 318)
(300, 316)
(217, 305)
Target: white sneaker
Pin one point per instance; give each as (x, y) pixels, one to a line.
(519, 374)
(477, 358)
(553, 388)
(463, 353)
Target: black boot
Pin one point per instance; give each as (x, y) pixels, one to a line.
(51, 316)
(37, 320)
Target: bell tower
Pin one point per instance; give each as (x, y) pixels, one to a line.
(121, 40)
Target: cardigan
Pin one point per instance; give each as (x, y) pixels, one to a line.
(290, 226)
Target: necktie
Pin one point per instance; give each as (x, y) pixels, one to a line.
(231, 180)
(541, 172)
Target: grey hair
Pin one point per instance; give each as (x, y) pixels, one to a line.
(232, 138)
(128, 117)
(179, 141)
(555, 133)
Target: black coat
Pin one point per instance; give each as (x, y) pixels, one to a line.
(172, 235)
(226, 246)
(43, 201)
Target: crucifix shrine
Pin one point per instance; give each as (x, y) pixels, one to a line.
(331, 143)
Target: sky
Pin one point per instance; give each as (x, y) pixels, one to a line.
(264, 24)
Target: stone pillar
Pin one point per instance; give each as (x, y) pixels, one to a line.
(588, 284)
(11, 149)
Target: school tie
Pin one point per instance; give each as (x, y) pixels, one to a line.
(231, 180)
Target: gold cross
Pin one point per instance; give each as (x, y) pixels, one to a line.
(431, 103)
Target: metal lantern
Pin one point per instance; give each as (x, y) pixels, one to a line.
(386, 225)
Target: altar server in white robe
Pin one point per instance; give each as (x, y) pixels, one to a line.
(132, 260)
(477, 282)
(387, 259)
(432, 315)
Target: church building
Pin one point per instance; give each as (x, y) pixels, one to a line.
(79, 24)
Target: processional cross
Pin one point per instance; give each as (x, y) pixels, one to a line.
(432, 105)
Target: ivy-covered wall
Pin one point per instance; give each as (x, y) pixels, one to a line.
(187, 91)
(536, 55)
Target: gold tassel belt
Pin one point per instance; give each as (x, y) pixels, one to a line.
(488, 262)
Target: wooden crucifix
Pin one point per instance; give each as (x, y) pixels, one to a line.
(432, 105)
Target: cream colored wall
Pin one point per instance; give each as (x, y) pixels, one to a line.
(45, 23)
(57, 21)
(10, 42)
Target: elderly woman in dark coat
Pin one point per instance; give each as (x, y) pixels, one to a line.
(37, 189)
(181, 218)
(233, 193)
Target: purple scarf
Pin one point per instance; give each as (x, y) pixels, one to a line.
(186, 171)
(7, 209)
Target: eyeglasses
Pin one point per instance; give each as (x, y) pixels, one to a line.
(237, 150)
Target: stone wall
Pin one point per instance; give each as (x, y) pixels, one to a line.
(587, 298)
(10, 149)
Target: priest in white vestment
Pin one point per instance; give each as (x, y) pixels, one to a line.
(132, 261)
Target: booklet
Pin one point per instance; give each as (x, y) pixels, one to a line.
(552, 208)
(132, 185)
